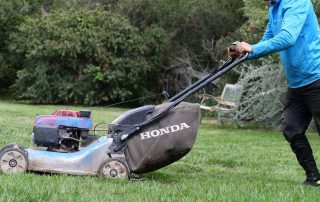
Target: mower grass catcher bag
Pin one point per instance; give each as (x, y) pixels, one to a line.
(165, 141)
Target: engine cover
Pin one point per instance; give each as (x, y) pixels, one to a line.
(62, 129)
(46, 135)
(53, 120)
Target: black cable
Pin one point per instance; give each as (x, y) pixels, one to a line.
(142, 98)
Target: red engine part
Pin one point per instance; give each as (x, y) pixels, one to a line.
(69, 113)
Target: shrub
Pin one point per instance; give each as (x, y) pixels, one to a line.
(87, 57)
(264, 89)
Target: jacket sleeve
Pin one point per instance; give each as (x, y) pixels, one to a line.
(268, 33)
(295, 15)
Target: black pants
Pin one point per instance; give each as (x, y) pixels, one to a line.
(301, 105)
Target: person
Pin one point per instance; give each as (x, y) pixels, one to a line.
(293, 31)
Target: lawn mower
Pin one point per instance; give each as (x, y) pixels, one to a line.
(141, 140)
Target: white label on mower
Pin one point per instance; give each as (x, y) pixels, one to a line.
(162, 131)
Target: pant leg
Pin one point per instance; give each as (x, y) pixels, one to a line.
(312, 99)
(297, 117)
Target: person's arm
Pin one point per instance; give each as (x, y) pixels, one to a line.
(266, 36)
(293, 21)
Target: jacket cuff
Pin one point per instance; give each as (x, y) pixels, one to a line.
(257, 50)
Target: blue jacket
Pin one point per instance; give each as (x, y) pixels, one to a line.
(294, 31)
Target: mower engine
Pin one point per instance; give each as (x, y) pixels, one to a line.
(63, 130)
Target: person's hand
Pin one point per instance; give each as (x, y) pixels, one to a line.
(243, 47)
(232, 54)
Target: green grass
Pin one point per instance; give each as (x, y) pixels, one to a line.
(225, 165)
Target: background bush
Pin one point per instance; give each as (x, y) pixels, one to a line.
(87, 57)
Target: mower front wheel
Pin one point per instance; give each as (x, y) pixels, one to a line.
(13, 160)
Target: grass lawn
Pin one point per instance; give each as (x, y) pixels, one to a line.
(225, 164)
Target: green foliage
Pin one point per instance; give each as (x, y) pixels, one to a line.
(90, 57)
(7, 72)
(264, 89)
(189, 23)
(257, 14)
(194, 27)
(11, 15)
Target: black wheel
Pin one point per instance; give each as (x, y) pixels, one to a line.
(9, 146)
(13, 159)
(114, 168)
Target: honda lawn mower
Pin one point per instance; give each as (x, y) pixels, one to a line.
(139, 141)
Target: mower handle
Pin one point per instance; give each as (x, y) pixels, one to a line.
(208, 79)
(121, 140)
(220, 72)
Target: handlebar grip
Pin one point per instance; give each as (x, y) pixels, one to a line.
(233, 46)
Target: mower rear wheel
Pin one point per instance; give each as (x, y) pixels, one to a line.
(114, 168)
(13, 160)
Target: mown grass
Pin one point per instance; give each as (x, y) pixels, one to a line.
(225, 164)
